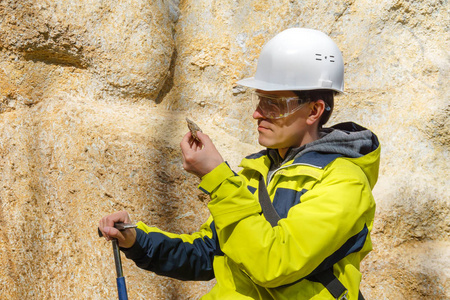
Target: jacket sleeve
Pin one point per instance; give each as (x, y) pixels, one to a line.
(180, 256)
(331, 219)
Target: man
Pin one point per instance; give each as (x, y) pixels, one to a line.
(319, 181)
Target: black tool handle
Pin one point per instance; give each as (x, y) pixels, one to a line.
(117, 260)
(121, 286)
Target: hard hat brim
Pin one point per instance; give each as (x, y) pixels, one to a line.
(253, 83)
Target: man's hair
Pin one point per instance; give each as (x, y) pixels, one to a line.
(314, 95)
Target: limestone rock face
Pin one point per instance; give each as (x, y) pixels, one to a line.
(93, 100)
(125, 48)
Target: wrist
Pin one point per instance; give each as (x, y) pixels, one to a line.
(215, 177)
(129, 238)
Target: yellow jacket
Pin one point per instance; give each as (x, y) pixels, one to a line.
(326, 208)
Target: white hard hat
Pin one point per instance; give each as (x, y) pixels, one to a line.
(298, 59)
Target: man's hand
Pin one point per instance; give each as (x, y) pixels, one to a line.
(126, 238)
(199, 157)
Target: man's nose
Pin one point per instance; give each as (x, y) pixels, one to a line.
(257, 114)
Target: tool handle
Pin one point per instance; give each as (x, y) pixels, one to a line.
(117, 259)
(122, 288)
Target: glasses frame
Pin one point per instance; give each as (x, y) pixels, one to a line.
(276, 107)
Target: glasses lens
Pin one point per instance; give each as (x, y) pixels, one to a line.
(275, 107)
(272, 108)
(269, 107)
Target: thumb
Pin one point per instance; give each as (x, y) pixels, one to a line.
(204, 138)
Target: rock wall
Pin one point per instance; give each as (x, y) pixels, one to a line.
(93, 97)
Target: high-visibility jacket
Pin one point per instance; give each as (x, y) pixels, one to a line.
(326, 207)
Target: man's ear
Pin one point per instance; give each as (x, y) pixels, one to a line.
(316, 110)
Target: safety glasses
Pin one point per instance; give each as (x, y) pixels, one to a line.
(273, 107)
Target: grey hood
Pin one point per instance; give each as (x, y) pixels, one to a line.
(347, 139)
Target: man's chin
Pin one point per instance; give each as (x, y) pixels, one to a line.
(265, 143)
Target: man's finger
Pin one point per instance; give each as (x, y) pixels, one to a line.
(204, 139)
(186, 142)
(186, 138)
(106, 224)
(114, 233)
(189, 143)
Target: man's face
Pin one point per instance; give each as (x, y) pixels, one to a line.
(285, 132)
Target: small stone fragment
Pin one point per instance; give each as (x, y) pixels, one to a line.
(193, 128)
